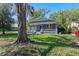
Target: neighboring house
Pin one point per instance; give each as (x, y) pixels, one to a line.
(14, 26)
(74, 24)
(43, 25)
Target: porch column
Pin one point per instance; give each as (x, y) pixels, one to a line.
(41, 27)
(56, 28)
(48, 26)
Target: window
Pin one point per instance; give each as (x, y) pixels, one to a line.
(45, 27)
(52, 26)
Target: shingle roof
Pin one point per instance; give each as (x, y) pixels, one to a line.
(40, 19)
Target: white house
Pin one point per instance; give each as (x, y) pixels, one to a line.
(43, 25)
(74, 24)
(14, 26)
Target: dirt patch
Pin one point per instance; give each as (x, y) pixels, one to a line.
(3, 43)
(10, 49)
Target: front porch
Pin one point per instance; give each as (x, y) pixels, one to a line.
(44, 28)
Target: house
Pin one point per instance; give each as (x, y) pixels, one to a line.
(14, 26)
(75, 23)
(43, 25)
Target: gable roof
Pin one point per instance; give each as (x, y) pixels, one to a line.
(38, 21)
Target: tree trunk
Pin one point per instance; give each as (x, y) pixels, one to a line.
(3, 29)
(22, 35)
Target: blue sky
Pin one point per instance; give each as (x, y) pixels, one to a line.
(54, 7)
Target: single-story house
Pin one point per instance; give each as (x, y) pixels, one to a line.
(14, 26)
(43, 25)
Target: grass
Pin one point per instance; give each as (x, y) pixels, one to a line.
(9, 36)
(41, 44)
(64, 51)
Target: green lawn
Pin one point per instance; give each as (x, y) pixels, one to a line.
(42, 44)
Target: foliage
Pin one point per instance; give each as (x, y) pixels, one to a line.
(40, 13)
(5, 16)
(65, 18)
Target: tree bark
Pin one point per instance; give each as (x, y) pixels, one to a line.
(22, 35)
(3, 29)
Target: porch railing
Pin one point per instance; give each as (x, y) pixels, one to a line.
(49, 31)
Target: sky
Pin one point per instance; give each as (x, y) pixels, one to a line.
(54, 7)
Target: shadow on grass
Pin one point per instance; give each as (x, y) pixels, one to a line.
(9, 34)
(51, 42)
(19, 50)
(54, 42)
(9, 37)
(50, 45)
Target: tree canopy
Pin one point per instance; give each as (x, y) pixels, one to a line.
(65, 17)
(5, 17)
(40, 13)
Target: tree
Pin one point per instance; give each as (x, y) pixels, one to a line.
(5, 17)
(64, 19)
(23, 10)
(40, 13)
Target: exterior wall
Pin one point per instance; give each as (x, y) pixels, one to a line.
(74, 24)
(14, 26)
(56, 28)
